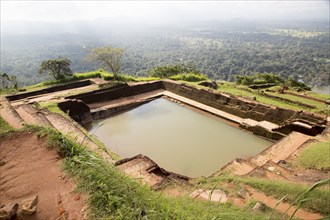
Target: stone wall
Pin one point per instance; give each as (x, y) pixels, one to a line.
(49, 90)
(117, 92)
(242, 107)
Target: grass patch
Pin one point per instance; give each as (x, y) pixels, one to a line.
(111, 195)
(52, 107)
(316, 156)
(319, 199)
(302, 100)
(189, 77)
(4, 127)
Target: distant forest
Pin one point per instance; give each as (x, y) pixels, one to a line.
(218, 49)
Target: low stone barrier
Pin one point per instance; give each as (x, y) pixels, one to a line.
(49, 90)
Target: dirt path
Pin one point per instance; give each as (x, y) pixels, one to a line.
(28, 169)
(282, 207)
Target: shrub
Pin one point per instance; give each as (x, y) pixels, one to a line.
(190, 77)
(170, 70)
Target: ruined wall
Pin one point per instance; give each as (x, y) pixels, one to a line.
(118, 92)
(242, 107)
(49, 90)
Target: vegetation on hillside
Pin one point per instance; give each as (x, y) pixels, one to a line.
(269, 80)
(220, 50)
(8, 82)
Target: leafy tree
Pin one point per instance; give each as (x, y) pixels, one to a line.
(297, 85)
(8, 82)
(58, 68)
(109, 57)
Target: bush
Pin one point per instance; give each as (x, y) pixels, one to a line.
(297, 85)
(190, 77)
(259, 78)
(170, 70)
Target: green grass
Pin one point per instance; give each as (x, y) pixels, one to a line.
(316, 156)
(319, 198)
(4, 127)
(111, 195)
(190, 77)
(300, 99)
(53, 107)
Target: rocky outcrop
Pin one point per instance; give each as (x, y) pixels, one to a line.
(8, 211)
(29, 206)
(77, 110)
(212, 85)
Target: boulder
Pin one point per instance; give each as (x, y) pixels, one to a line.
(8, 211)
(242, 193)
(29, 206)
(212, 85)
(256, 207)
(214, 196)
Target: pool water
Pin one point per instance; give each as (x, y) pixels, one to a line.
(177, 138)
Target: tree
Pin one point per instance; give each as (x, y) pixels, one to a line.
(58, 68)
(8, 82)
(109, 57)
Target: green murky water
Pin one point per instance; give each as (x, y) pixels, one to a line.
(177, 138)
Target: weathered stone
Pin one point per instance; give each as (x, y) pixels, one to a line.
(214, 196)
(29, 206)
(2, 162)
(8, 211)
(256, 207)
(77, 197)
(271, 169)
(212, 85)
(242, 193)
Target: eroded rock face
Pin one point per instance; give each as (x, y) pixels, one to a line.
(29, 206)
(8, 211)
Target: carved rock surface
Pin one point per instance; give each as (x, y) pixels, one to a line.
(8, 211)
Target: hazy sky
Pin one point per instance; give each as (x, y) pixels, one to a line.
(163, 11)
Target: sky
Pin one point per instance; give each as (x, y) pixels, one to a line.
(163, 11)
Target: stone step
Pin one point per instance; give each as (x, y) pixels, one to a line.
(31, 115)
(282, 149)
(73, 130)
(238, 167)
(272, 171)
(9, 114)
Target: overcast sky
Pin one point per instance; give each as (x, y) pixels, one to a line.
(162, 11)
